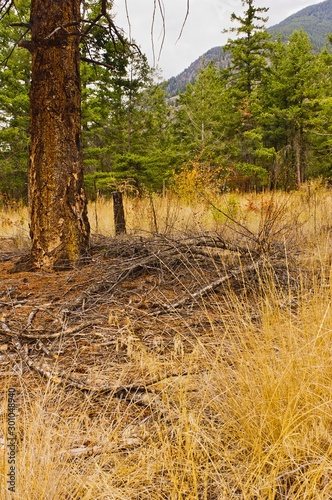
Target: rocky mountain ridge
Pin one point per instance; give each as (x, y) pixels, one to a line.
(316, 20)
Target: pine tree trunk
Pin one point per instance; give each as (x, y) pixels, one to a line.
(299, 156)
(119, 215)
(59, 223)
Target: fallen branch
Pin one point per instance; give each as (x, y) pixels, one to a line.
(205, 290)
(137, 394)
(4, 329)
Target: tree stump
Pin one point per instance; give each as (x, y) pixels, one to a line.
(119, 215)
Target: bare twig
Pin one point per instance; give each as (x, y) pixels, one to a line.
(98, 63)
(203, 291)
(249, 234)
(137, 394)
(162, 13)
(4, 329)
(5, 6)
(19, 43)
(185, 20)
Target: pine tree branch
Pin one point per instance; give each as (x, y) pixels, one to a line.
(98, 63)
(21, 25)
(19, 43)
(5, 8)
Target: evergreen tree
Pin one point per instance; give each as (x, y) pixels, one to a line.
(288, 106)
(125, 126)
(124, 114)
(14, 107)
(249, 49)
(319, 134)
(59, 225)
(198, 117)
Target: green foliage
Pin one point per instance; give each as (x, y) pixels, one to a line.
(14, 106)
(248, 177)
(99, 183)
(124, 114)
(262, 122)
(199, 113)
(250, 48)
(289, 107)
(148, 171)
(265, 120)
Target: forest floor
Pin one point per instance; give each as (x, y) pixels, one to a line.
(131, 295)
(173, 367)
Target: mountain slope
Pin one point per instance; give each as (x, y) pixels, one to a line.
(316, 20)
(178, 83)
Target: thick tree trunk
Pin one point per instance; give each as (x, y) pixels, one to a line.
(59, 224)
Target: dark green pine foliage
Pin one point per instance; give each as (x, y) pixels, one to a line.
(124, 118)
(14, 106)
(319, 135)
(124, 127)
(198, 118)
(248, 157)
(289, 108)
(249, 50)
(124, 113)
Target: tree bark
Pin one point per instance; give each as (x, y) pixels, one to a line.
(299, 156)
(119, 215)
(59, 224)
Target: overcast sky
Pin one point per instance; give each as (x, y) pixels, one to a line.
(202, 31)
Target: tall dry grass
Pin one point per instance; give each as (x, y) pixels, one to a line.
(255, 423)
(14, 226)
(252, 417)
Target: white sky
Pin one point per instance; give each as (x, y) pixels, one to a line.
(206, 20)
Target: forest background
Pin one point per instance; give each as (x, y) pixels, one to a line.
(261, 121)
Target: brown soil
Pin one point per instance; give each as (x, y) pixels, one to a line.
(82, 327)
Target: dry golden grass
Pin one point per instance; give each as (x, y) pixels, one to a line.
(250, 418)
(14, 226)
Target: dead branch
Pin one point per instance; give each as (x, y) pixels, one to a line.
(21, 25)
(4, 329)
(137, 394)
(185, 20)
(246, 232)
(98, 63)
(112, 27)
(110, 282)
(19, 43)
(92, 23)
(203, 291)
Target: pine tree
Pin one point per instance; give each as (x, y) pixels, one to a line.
(14, 108)
(59, 225)
(288, 104)
(250, 56)
(249, 50)
(198, 117)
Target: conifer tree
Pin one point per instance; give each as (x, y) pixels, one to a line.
(249, 49)
(289, 105)
(59, 225)
(250, 55)
(14, 109)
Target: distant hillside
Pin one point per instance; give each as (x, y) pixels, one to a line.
(316, 20)
(178, 83)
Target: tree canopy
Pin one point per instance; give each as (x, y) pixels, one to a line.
(263, 121)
